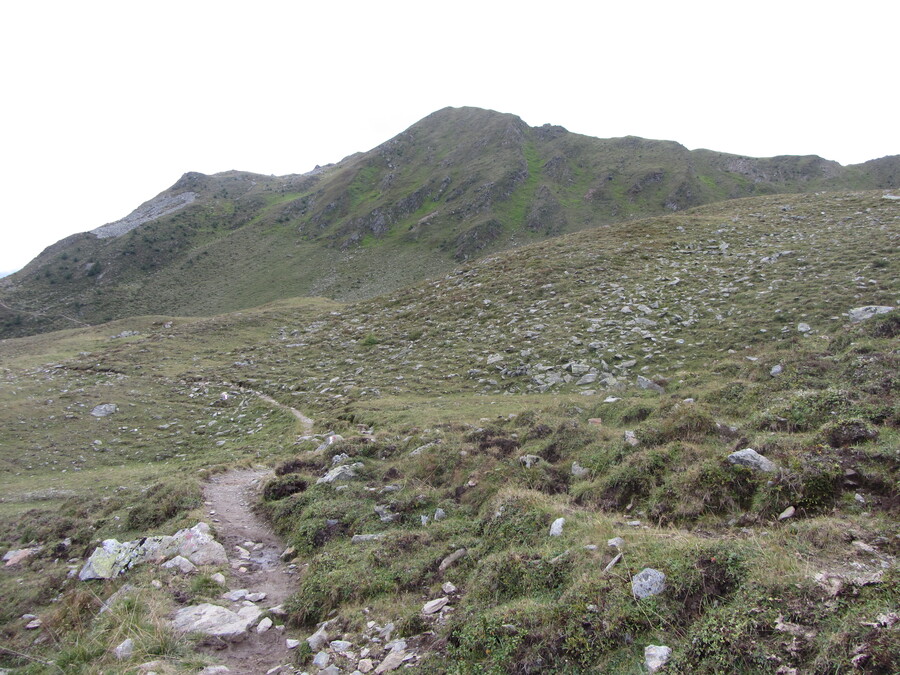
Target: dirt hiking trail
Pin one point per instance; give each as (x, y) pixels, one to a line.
(229, 497)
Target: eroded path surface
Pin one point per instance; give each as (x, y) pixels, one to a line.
(305, 422)
(229, 498)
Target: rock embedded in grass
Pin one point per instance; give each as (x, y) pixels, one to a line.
(753, 460)
(656, 656)
(434, 606)
(104, 409)
(858, 314)
(648, 582)
(556, 529)
(124, 650)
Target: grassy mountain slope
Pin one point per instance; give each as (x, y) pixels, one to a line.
(440, 389)
(453, 187)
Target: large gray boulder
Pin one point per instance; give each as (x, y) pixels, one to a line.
(648, 582)
(753, 460)
(216, 621)
(858, 314)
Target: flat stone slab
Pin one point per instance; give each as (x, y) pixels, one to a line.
(216, 621)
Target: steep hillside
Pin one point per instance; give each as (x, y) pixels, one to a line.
(500, 456)
(453, 187)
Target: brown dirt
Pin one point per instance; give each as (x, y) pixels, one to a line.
(229, 497)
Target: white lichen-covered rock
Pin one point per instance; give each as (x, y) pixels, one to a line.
(656, 656)
(113, 557)
(110, 559)
(556, 529)
(216, 621)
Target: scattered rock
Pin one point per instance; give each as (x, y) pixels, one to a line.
(125, 649)
(776, 370)
(612, 563)
(448, 588)
(363, 538)
(236, 595)
(578, 471)
(340, 646)
(435, 605)
(213, 670)
(631, 438)
(617, 542)
(752, 459)
(648, 582)
(452, 558)
(13, 558)
(556, 528)
(833, 584)
(264, 625)
(104, 410)
(393, 661)
(645, 383)
(180, 564)
(787, 513)
(529, 460)
(321, 660)
(655, 656)
(317, 640)
(858, 314)
(365, 665)
(342, 472)
(803, 328)
(34, 624)
(291, 644)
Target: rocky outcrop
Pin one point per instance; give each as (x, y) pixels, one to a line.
(113, 557)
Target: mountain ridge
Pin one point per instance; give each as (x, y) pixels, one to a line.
(458, 184)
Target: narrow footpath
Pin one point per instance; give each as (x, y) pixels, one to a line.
(255, 551)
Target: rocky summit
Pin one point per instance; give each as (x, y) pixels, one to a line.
(489, 398)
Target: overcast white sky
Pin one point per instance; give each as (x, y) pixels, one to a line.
(106, 104)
